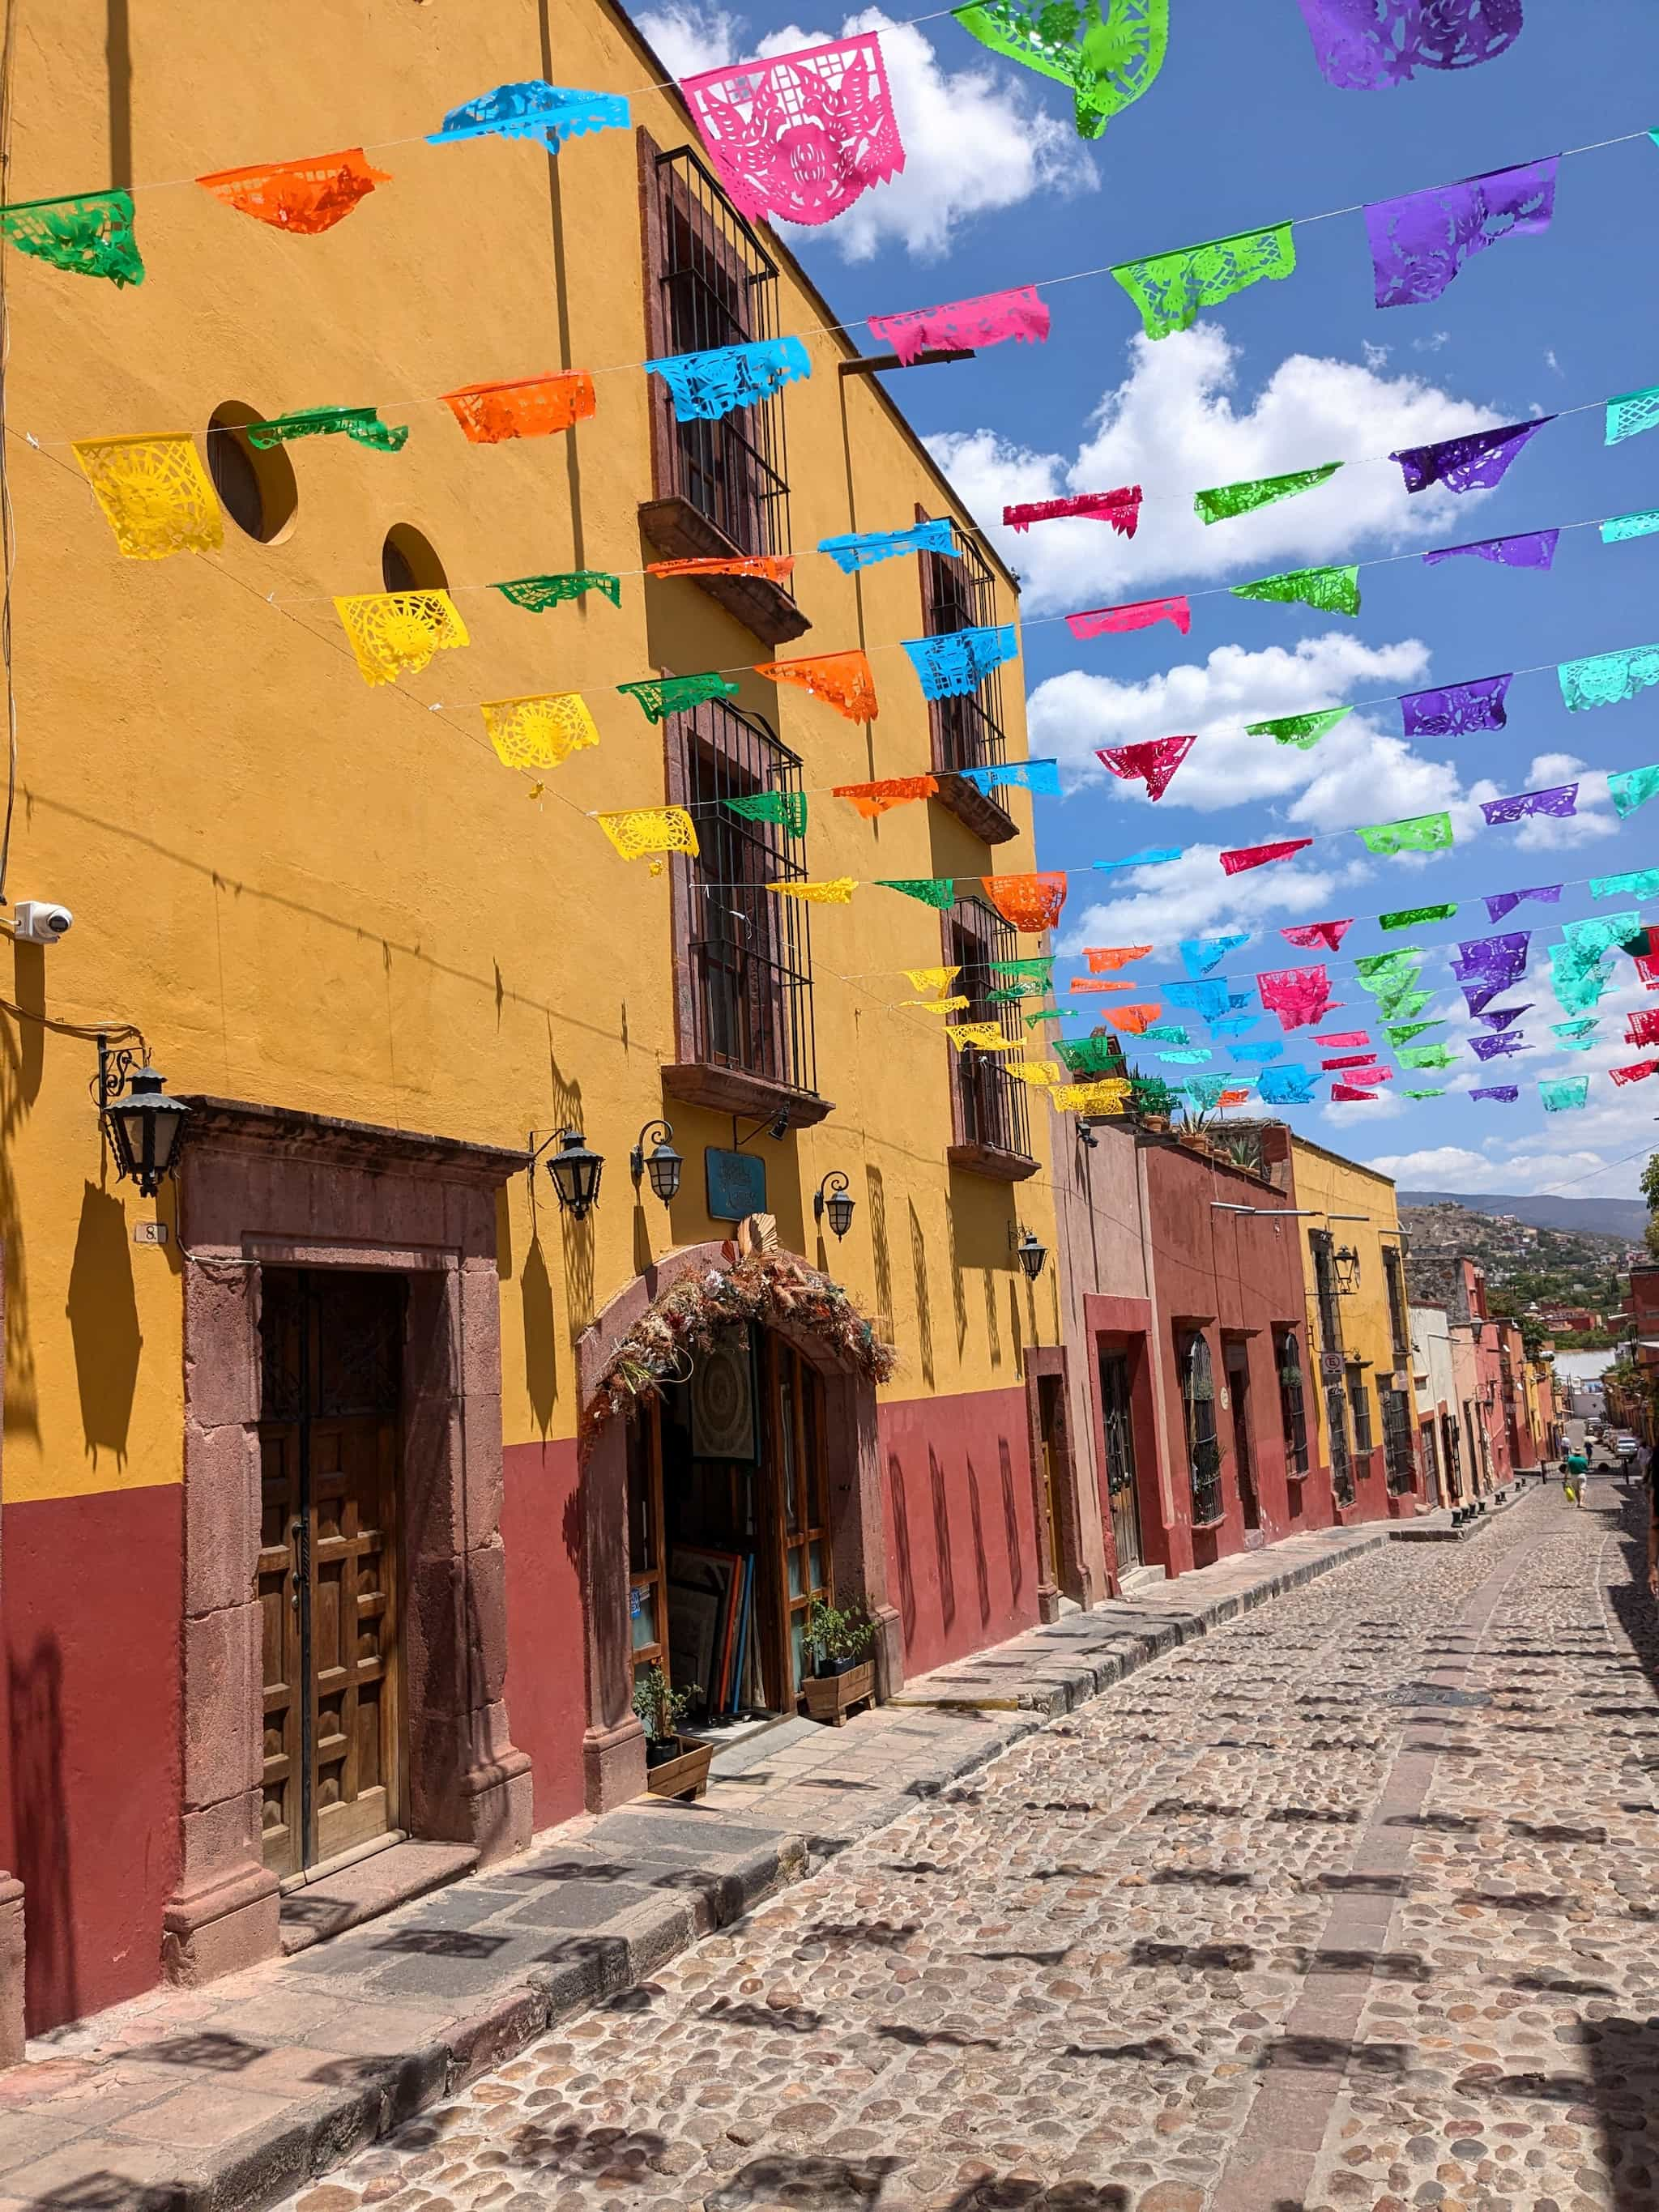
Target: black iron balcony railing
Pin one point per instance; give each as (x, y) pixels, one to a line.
(994, 1108)
(719, 288)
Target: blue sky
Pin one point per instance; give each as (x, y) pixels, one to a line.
(1241, 130)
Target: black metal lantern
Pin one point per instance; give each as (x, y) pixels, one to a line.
(1345, 1263)
(662, 1163)
(146, 1127)
(837, 1205)
(575, 1171)
(1030, 1250)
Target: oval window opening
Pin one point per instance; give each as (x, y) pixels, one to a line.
(408, 562)
(257, 490)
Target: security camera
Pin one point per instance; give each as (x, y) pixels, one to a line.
(38, 921)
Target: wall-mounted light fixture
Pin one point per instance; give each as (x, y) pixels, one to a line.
(662, 1163)
(1028, 1249)
(837, 1205)
(146, 1127)
(1345, 1263)
(575, 1171)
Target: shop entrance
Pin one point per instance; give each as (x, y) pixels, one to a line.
(327, 1571)
(728, 1529)
(1118, 1422)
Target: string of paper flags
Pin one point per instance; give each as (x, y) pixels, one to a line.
(759, 120)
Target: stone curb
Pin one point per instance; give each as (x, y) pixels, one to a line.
(302, 2145)
(1061, 1686)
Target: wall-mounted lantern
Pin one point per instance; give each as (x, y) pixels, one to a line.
(1030, 1250)
(837, 1205)
(662, 1163)
(146, 1127)
(575, 1171)
(1345, 1263)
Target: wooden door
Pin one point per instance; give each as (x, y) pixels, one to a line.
(1117, 1420)
(1050, 1436)
(327, 1574)
(1237, 1365)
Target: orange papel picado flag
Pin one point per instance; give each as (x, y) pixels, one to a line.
(843, 680)
(873, 798)
(306, 197)
(522, 407)
(1031, 903)
(776, 568)
(1133, 1019)
(1101, 957)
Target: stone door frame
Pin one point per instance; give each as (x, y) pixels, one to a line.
(613, 1747)
(263, 1185)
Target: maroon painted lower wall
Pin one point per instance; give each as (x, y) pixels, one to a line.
(546, 1653)
(962, 1559)
(89, 1757)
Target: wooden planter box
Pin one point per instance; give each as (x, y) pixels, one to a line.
(687, 1776)
(832, 1697)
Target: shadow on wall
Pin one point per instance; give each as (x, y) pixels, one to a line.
(22, 1058)
(924, 1304)
(907, 1580)
(876, 1191)
(35, 1711)
(103, 1319)
(947, 1581)
(982, 1564)
(1010, 1522)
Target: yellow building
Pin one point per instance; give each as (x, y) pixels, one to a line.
(1359, 1334)
(300, 1551)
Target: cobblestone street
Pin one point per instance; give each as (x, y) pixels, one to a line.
(1356, 1903)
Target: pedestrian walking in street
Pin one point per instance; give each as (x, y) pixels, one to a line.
(1573, 1478)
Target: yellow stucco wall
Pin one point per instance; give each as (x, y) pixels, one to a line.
(332, 897)
(1337, 1187)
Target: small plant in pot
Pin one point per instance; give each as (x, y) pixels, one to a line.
(839, 1640)
(660, 1708)
(842, 1647)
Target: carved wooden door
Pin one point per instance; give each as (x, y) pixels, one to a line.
(327, 1573)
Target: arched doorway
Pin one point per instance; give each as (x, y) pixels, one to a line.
(730, 1476)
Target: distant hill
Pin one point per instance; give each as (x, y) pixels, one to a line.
(1608, 1217)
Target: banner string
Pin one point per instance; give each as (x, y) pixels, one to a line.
(857, 322)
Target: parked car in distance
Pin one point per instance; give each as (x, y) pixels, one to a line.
(1625, 1444)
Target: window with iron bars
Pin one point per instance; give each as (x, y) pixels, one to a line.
(1293, 1403)
(748, 953)
(961, 594)
(1399, 1456)
(718, 287)
(1394, 1270)
(1322, 1244)
(1198, 1413)
(1359, 1400)
(991, 1104)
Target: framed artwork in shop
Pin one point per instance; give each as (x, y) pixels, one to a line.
(722, 1397)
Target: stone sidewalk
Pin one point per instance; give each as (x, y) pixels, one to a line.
(227, 2097)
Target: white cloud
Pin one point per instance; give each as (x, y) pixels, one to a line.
(1173, 426)
(1073, 713)
(1534, 1170)
(975, 139)
(1192, 897)
(1432, 341)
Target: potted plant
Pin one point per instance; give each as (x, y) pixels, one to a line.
(842, 1675)
(674, 1767)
